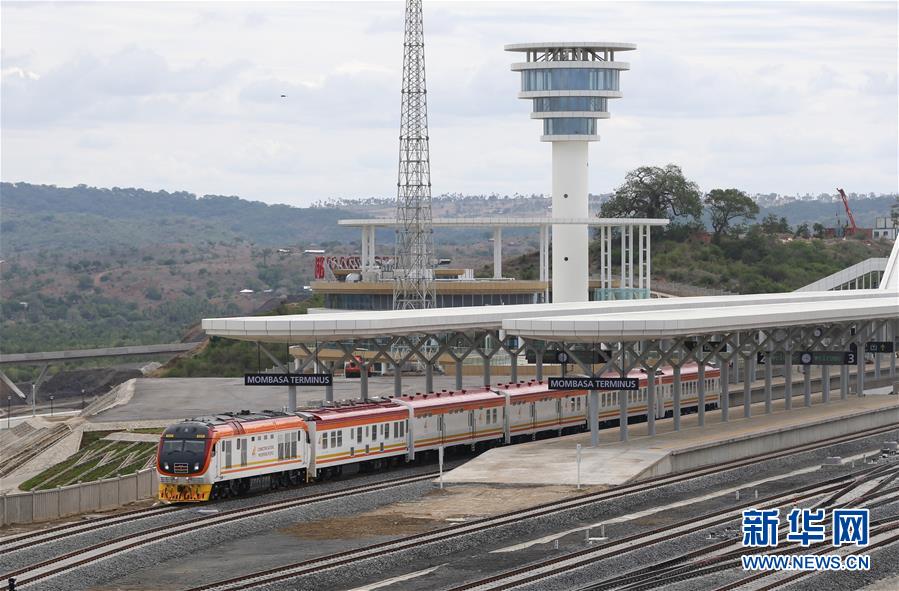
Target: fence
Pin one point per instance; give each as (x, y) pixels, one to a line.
(100, 495)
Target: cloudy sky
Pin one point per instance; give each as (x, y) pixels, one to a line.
(770, 96)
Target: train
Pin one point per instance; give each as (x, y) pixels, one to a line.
(233, 453)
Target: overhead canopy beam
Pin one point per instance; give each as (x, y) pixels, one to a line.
(664, 323)
(307, 328)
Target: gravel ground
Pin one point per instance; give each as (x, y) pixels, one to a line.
(467, 559)
(223, 551)
(40, 552)
(882, 567)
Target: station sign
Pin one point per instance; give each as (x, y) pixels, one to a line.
(288, 379)
(809, 357)
(879, 347)
(580, 383)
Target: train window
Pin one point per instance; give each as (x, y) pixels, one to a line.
(238, 444)
(324, 441)
(374, 432)
(340, 438)
(579, 403)
(359, 434)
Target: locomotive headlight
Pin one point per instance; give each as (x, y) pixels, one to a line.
(165, 466)
(196, 466)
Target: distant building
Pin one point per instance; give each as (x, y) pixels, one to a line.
(885, 229)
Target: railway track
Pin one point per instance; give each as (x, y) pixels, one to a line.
(721, 556)
(52, 534)
(316, 565)
(662, 574)
(26, 577)
(883, 534)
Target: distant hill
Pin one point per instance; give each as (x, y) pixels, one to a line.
(86, 218)
(863, 210)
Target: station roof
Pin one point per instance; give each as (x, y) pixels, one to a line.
(706, 314)
(510, 222)
(691, 320)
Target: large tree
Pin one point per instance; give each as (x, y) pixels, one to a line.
(727, 205)
(655, 192)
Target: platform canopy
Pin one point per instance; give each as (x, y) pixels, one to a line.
(706, 319)
(550, 321)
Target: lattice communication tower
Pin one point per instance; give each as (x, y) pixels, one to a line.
(413, 286)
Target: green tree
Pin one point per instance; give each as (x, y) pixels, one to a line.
(802, 231)
(771, 224)
(727, 205)
(818, 229)
(655, 192)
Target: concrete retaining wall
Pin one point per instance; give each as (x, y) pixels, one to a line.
(101, 495)
(763, 443)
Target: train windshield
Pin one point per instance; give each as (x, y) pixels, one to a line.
(193, 447)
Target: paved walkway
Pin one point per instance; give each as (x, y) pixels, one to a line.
(553, 461)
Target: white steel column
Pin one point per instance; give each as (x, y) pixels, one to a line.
(648, 258)
(364, 263)
(676, 389)
(609, 257)
(570, 243)
(371, 247)
(542, 254)
(497, 252)
(623, 254)
(602, 257)
(630, 257)
(640, 237)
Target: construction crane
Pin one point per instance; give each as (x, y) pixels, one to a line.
(852, 227)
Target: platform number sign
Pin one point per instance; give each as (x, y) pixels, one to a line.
(879, 347)
(808, 357)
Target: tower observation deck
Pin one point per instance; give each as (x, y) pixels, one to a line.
(570, 84)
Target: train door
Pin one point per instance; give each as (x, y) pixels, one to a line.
(472, 425)
(227, 445)
(243, 452)
(441, 427)
(533, 406)
(559, 410)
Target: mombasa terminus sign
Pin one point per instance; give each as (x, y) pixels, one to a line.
(579, 383)
(288, 379)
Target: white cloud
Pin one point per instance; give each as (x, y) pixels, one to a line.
(763, 96)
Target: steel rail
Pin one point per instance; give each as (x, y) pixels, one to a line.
(523, 575)
(103, 550)
(322, 563)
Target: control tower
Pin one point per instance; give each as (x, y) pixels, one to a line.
(570, 84)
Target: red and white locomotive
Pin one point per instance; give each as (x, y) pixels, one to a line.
(228, 454)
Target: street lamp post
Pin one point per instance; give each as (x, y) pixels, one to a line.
(82, 399)
(8, 412)
(51, 405)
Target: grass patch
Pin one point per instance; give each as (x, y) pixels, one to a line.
(71, 470)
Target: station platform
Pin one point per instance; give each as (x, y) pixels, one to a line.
(553, 461)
